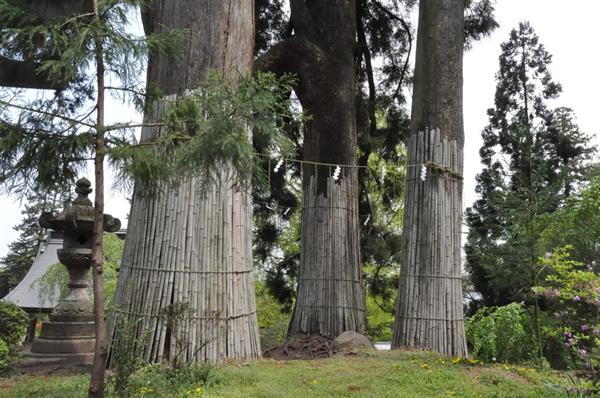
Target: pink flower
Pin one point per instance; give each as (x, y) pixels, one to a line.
(576, 298)
(569, 343)
(548, 255)
(582, 352)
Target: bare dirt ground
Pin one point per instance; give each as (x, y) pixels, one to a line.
(306, 348)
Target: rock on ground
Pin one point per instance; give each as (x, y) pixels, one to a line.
(352, 341)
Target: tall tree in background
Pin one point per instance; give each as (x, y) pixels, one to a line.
(429, 310)
(533, 159)
(192, 244)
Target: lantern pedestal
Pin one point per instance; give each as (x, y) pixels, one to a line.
(69, 335)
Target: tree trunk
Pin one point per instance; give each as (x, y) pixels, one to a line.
(96, 388)
(192, 244)
(429, 311)
(330, 296)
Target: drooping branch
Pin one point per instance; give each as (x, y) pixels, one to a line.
(41, 112)
(406, 29)
(366, 53)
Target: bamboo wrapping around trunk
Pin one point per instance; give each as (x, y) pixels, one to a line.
(429, 313)
(192, 245)
(330, 296)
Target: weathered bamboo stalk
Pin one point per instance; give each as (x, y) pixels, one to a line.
(196, 249)
(330, 294)
(430, 316)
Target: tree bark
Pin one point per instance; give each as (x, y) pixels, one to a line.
(429, 311)
(193, 244)
(330, 296)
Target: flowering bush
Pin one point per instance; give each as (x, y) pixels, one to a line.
(571, 292)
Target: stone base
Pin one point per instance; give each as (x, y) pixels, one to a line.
(59, 346)
(35, 359)
(67, 330)
(65, 339)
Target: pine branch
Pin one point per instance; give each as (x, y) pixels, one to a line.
(127, 89)
(39, 111)
(123, 126)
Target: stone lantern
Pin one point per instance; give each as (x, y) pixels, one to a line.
(70, 333)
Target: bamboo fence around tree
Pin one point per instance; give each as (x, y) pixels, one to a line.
(429, 313)
(191, 245)
(330, 297)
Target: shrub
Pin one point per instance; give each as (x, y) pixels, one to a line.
(126, 355)
(13, 324)
(500, 334)
(187, 380)
(272, 318)
(379, 321)
(5, 357)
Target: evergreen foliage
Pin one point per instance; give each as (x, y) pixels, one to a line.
(13, 325)
(500, 334)
(46, 139)
(534, 158)
(577, 224)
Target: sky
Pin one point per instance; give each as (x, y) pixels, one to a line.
(569, 31)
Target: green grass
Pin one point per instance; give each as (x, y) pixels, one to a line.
(44, 386)
(389, 374)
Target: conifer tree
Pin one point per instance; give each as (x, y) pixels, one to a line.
(533, 158)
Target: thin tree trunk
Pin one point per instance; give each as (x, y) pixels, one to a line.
(193, 244)
(429, 311)
(96, 388)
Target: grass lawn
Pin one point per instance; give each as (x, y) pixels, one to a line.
(382, 374)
